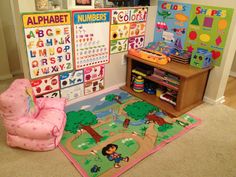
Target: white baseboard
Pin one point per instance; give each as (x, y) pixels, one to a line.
(212, 101)
(232, 73)
(5, 77)
(95, 94)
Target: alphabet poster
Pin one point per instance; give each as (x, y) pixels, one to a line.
(208, 29)
(172, 22)
(127, 29)
(91, 36)
(48, 43)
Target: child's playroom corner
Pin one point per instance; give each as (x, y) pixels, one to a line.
(101, 88)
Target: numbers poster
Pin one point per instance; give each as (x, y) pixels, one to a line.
(172, 22)
(48, 43)
(127, 29)
(208, 28)
(91, 35)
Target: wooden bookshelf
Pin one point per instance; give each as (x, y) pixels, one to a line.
(190, 91)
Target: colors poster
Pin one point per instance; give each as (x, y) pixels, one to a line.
(172, 22)
(208, 29)
(127, 29)
(48, 43)
(91, 37)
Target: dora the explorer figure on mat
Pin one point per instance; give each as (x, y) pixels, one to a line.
(110, 152)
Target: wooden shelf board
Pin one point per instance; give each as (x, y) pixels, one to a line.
(175, 68)
(160, 82)
(154, 100)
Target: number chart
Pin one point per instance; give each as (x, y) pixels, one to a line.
(91, 29)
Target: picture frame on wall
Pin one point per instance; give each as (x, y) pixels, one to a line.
(78, 4)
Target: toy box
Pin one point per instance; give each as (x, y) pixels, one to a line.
(201, 58)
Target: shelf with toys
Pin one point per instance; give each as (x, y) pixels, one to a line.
(174, 87)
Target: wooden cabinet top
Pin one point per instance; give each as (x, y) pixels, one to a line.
(182, 70)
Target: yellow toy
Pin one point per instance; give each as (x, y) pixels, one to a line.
(150, 55)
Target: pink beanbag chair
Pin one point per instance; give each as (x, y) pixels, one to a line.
(33, 124)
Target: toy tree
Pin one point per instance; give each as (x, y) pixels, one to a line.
(113, 97)
(82, 120)
(139, 110)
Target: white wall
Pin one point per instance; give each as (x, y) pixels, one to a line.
(4, 65)
(233, 68)
(9, 35)
(115, 72)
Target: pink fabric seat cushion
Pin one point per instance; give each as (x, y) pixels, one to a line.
(53, 117)
(55, 103)
(34, 124)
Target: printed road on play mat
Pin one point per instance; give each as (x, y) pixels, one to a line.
(108, 134)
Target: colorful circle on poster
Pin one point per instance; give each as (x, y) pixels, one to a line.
(222, 24)
(205, 37)
(193, 35)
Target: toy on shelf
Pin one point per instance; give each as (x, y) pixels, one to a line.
(170, 96)
(150, 55)
(182, 56)
(164, 47)
(160, 90)
(166, 79)
(150, 88)
(143, 71)
(138, 85)
(201, 58)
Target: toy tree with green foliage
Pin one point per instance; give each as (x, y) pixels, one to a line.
(113, 97)
(139, 110)
(82, 120)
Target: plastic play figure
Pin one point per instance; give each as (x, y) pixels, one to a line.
(110, 152)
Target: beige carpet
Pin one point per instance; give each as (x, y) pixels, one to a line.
(206, 151)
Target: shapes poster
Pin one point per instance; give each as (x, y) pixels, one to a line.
(172, 22)
(91, 36)
(48, 43)
(45, 85)
(208, 29)
(126, 24)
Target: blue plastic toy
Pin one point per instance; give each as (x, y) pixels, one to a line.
(201, 58)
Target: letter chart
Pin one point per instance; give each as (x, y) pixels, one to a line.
(48, 43)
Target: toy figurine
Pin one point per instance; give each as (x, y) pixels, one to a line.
(110, 152)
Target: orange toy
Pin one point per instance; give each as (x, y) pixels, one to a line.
(150, 55)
